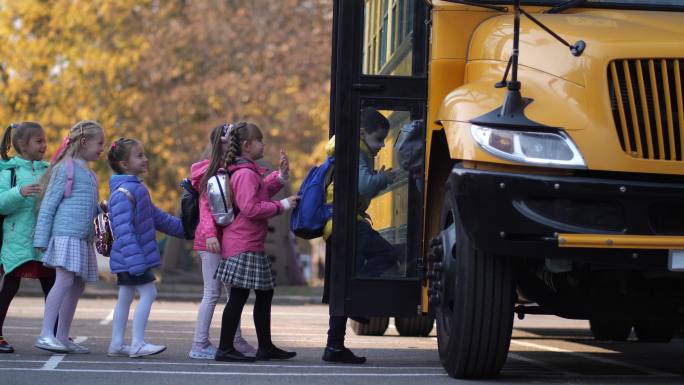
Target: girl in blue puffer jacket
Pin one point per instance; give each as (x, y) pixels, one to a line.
(134, 220)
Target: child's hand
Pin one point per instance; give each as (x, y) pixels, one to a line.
(213, 245)
(388, 174)
(293, 200)
(29, 189)
(284, 164)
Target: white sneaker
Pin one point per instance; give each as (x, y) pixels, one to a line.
(121, 351)
(51, 344)
(74, 348)
(145, 349)
(206, 353)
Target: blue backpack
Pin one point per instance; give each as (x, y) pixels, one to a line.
(312, 213)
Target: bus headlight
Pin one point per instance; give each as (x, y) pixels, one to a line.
(549, 149)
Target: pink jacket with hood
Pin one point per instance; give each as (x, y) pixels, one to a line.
(252, 197)
(206, 227)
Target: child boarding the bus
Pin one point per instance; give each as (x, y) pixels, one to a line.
(64, 231)
(374, 255)
(134, 220)
(245, 265)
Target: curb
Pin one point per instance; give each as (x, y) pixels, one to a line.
(180, 296)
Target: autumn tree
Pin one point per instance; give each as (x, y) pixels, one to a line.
(166, 72)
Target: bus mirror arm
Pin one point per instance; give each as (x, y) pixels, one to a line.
(576, 49)
(511, 114)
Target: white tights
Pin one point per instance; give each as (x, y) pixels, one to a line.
(62, 301)
(148, 293)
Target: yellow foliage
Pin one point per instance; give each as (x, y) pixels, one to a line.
(166, 73)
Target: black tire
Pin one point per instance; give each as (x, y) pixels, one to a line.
(654, 331)
(376, 326)
(610, 330)
(475, 313)
(419, 326)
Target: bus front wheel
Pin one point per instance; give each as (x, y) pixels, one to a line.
(473, 297)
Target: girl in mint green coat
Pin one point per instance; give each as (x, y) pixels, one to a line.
(19, 185)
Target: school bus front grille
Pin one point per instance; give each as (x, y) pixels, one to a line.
(647, 105)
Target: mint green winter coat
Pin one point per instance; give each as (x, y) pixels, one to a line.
(20, 220)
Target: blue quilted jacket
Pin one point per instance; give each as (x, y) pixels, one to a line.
(134, 223)
(67, 216)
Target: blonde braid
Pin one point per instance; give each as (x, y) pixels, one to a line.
(83, 129)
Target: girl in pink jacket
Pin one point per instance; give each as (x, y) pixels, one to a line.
(208, 247)
(245, 265)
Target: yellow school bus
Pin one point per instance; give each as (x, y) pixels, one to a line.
(551, 174)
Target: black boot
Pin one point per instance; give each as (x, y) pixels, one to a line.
(273, 353)
(343, 356)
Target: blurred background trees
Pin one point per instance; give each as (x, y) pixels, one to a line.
(166, 72)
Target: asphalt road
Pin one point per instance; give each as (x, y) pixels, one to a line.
(543, 350)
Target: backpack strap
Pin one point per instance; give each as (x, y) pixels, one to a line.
(70, 177)
(13, 177)
(127, 194)
(329, 173)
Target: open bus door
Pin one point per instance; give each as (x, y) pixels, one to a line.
(379, 61)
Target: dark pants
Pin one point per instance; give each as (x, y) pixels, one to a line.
(337, 328)
(374, 255)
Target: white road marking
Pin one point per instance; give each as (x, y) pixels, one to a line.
(51, 364)
(286, 374)
(542, 364)
(80, 339)
(596, 358)
(108, 318)
(248, 365)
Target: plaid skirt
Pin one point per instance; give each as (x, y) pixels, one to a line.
(73, 254)
(247, 270)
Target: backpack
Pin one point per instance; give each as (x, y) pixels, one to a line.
(13, 183)
(312, 213)
(410, 143)
(104, 238)
(189, 209)
(220, 200)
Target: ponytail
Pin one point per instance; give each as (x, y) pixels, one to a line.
(60, 149)
(6, 141)
(216, 158)
(15, 134)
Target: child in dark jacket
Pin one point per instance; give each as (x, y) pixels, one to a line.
(134, 220)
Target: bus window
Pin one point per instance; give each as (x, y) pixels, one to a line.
(389, 189)
(388, 37)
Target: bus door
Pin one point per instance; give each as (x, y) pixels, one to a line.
(379, 64)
